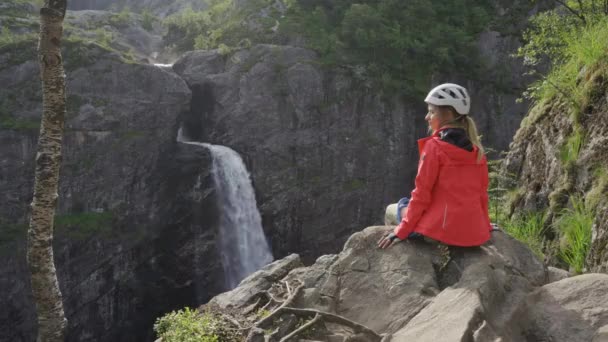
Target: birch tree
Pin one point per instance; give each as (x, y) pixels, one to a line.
(45, 287)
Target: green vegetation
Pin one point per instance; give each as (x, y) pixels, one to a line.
(220, 25)
(394, 45)
(83, 225)
(599, 188)
(574, 42)
(19, 124)
(103, 37)
(575, 226)
(10, 232)
(148, 19)
(189, 325)
(354, 185)
(529, 229)
(122, 18)
(570, 150)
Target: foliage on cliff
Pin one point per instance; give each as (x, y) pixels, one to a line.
(560, 138)
(398, 45)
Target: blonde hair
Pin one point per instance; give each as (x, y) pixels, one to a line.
(468, 124)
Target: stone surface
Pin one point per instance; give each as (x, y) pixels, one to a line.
(492, 293)
(135, 219)
(160, 8)
(543, 181)
(260, 281)
(571, 309)
(556, 274)
(410, 292)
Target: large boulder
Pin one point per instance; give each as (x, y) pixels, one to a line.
(573, 309)
(417, 291)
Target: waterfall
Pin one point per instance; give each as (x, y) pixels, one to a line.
(243, 246)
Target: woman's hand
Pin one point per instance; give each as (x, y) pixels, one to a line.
(388, 240)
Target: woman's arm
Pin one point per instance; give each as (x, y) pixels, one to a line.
(428, 169)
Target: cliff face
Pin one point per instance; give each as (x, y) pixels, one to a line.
(132, 225)
(136, 217)
(558, 154)
(314, 139)
(158, 7)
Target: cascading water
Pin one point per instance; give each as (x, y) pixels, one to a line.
(243, 246)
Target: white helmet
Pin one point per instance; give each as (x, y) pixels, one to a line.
(450, 94)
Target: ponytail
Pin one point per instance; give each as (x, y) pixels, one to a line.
(471, 129)
(466, 122)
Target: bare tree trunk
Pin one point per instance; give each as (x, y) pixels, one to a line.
(47, 296)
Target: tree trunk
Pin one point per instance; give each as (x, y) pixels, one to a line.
(45, 288)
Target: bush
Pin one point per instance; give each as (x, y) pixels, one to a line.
(188, 325)
(575, 226)
(570, 44)
(529, 229)
(572, 147)
(122, 18)
(147, 19)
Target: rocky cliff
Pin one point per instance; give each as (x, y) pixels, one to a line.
(136, 219)
(560, 153)
(132, 226)
(158, 7)
(416, 291)
(314, 139)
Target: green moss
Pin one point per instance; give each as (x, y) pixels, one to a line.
(11, 232)
(246, 65)
(558, 198)
(148, 19)
(571, 149)
(513, 198)
(20, 49)
(122, 18)
(18, 124)
(354, 185)
(599, 189)
(132, 134)
(83, 225)
(537, 112)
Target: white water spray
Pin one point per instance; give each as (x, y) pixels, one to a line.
(243, 246)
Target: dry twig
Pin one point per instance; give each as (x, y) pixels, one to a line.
(302, 328)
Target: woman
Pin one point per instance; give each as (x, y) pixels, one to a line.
(450, 201)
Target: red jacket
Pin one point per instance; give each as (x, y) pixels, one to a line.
(450, 201)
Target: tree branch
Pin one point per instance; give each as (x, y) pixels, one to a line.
(302, 328)
(326, 316)
(572, 10)
(275, 313)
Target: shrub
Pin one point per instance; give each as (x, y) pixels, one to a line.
(188, 325)
(571, 44)
(570, 150)
(147, 19)
(575, 226)
(121, 19)
(529, 229)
